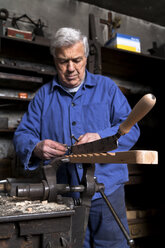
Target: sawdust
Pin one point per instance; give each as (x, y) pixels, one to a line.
(14, 206)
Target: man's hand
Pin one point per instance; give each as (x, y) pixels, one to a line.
(48, 149)
(88, 137)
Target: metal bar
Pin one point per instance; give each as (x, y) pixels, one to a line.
(129, 240)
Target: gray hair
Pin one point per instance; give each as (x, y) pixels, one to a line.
(67, 37)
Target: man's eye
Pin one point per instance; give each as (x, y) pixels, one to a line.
(63, 61)
(77, 60)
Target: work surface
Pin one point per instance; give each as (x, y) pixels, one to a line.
(16, 209)
(40, 224)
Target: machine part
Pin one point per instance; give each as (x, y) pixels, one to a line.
(90, 189)
(10, 185)
(89, 183)
(34, 191)
(124, 231)
(144, 105)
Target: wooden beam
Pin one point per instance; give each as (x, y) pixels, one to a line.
(109, 24)
(23, 78)
(128, 157)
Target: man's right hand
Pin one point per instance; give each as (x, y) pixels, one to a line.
(48, 149)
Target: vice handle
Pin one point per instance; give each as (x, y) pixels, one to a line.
(145, 104)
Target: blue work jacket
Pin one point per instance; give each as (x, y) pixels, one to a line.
(98, 106)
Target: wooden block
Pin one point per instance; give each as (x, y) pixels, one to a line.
(128, 157)
(21, 34)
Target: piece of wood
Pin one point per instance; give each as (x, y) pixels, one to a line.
(109, 24)
(142, 214)
(128, 157)
(22, 78)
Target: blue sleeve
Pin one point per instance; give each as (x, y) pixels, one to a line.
(27, 134)
(119, 110)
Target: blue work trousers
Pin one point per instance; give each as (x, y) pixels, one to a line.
(103, 230)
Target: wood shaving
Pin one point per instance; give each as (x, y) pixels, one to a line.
(14, 206)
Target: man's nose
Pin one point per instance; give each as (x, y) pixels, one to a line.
(70, 65)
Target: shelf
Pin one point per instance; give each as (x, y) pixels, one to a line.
(26, 58)
(25, 50)
(135, 67)
(22, 82)
(21, 78)
(14, 67)
(39, 42)
(14, 98)
(7, 130)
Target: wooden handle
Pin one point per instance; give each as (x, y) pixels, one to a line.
(145, 104)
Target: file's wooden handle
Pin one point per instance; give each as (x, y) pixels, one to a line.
(145, 104)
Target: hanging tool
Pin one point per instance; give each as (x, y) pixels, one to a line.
(38, 30)
(3, 17)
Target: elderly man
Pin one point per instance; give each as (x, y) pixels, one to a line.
(89, 107)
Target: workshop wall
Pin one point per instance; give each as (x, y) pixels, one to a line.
(70, 13)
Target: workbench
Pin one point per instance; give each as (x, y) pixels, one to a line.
(39, 224)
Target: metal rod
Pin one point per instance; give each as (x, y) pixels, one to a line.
(73, 137)
(129, 240)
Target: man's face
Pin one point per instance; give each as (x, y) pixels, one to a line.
(70, 63)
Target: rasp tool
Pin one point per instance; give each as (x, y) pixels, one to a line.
(144, 105)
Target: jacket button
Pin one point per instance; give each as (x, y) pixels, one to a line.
(73, 123)
(73, 104)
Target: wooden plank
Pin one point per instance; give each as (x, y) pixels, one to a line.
(23, 78)
(141, 214)
(128, 157)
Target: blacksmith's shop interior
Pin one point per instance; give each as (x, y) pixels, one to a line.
(78, 169)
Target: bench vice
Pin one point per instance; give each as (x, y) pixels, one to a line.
(63, 227)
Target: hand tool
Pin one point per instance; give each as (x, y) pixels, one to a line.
(110, 143)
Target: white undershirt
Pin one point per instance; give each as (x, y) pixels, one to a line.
(73, 90)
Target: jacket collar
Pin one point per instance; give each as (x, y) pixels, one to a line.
(89, 79)
(88, 82)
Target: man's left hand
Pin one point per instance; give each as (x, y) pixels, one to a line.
(88, 137)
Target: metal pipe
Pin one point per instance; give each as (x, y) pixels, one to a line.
(129, 240)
